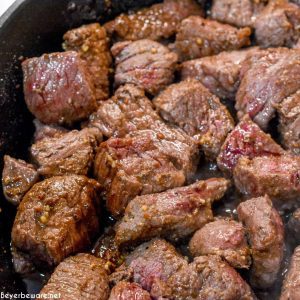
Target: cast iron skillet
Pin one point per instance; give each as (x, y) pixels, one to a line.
(31, 28)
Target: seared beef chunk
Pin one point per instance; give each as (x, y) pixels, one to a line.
(289, 116)
(71, 153)
(207, 277)
(17, 178)
(47, 131)
(144, 162)
(225, 238)
(128, 110)
(80, 277)
(247, 139)
(274, 68)
(149, 264)
(278, 24)
(145, 63)
(56, 218)
(265, 231)
(128, 291)
(240, 13)
(156, 22)
(277, 176)
(198, 37)
(199, 113)
(291, 284)
(91, 42)
(294, 225)
(219, 73)
(174, 214)
(58, 88)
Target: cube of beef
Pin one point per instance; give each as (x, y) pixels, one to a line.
(226, 238)
(58, 88)
(219, 73)
(189, 105)
(247, 139)
(145, 63)
(128, 291)
(278, 71)
(276, 176)
(239, 13)
(265, 231)
(91, 42)
(47, 131)
(79, 277)
(56, 218)
(17, 178)
(143, 162)
(278, 24)
(291, 284)
(294, 225)
(289, 127)
(128, 110)
(156, 22)
(198, 37)
(71, 153)
(174, 214)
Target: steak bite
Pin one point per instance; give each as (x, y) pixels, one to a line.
(189, 105)
(128, 291)
(278, 24)
(248, 140)
(58, 88)
(143, 162)
(289, 126)
(276, 176)
(56, 218)
(174, 214)
(265, 231)
(274, 68)
(226, 238)
(47, 131)
(294, 225)
(145, 63)
(198, 37)
(17, 178)
(79, 277)
(291, 283)
(71, 153)
(92, 44)
(157, 22)
(219, 73)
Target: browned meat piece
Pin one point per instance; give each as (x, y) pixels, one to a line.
(17, 178)
(56, 218)
(277, 176)
(80, 277)
(58, 88)
(198, 37)
(149, 264)
(274, 68)
(91, 42)
(47, 131)
(289, 116)
(265, 231)
(247, 139)
(71, 153)
(144, 162)
(199, 113)
(278, 24)
(128, 110)
(291, 284)
(226, 238)
(128, 291)
(240, 13)
(219, 73)
(207, 277)
(156, 22)
(294, 225)
(174, 214)
(145, 63)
